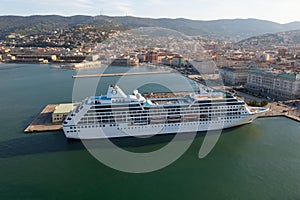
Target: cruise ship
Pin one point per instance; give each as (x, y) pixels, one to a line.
(117, 114)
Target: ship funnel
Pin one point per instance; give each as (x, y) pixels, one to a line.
(115, 92)
(135, 92)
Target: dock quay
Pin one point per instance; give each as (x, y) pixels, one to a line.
(120, 74)
(271, 114)
(82, 65)
(43, 122)
(282, 110)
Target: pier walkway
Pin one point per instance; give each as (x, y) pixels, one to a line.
(120, 74)
(282, 110)
(43, 122)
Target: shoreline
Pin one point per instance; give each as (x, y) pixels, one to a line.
(294, 118)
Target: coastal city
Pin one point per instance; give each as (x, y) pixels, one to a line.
(252, 68)
(149, 99)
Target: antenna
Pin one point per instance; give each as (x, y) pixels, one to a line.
(100, 12)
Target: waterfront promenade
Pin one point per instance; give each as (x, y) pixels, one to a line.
(275, 108)
(279, 109)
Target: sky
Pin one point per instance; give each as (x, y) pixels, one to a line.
(281, 11)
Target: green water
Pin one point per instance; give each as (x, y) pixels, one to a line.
(256, 161)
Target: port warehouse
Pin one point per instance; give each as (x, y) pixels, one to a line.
(23, 58)
(61, 112)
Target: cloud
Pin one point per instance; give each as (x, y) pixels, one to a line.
(124, 6)
(84, 4)
(153, 2)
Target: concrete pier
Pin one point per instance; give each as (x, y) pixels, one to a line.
(43, 122)
(281, 110)
(120, 74)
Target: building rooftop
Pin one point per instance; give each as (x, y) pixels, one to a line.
(281, 75)
(229, 68)
(63, 108)
(259, 71)
(289, 76)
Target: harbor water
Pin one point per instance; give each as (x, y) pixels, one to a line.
(260, 160)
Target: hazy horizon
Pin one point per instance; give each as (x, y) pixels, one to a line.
(145, 17)
(204, 10)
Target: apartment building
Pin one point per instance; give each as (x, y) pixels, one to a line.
(234, 76)
(277, 85)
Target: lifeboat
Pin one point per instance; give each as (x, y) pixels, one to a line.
(203, 116)
(191, 116)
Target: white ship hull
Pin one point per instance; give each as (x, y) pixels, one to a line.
(94, 131)
(119, 115)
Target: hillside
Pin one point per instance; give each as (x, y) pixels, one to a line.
(285, 39)
(236, 29)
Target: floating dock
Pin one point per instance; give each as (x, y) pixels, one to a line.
(43, 122)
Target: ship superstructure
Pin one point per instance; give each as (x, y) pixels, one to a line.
(119, 115)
